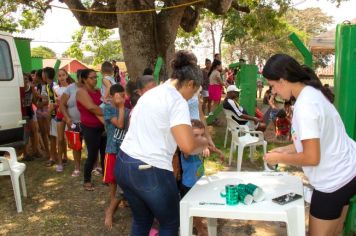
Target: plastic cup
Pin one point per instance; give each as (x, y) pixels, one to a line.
(245, 197)
(251, 188)
(257, 193)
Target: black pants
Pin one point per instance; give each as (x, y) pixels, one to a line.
(96, 141)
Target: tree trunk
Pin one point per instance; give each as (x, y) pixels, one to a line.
(146, 35)
(221, 35)
(211, 24)
(141, 48)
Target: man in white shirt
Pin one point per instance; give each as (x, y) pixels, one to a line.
(242, 117)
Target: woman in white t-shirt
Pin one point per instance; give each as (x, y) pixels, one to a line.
(159, 122)
(321, 145)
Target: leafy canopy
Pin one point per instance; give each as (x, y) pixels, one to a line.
(17, 16)
(95, 41)
(42, 51)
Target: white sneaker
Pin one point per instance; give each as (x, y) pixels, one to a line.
(59, 168)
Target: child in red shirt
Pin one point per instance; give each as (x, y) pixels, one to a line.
(283, 125)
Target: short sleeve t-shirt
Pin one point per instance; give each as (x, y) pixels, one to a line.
(193, 104)
(73, 112)
(149, 137)
(282, 126)
(51, 91)
(214, 77)
(205, 82)
(103, 88)
(192, 168)
(315, 117)
(113, 145)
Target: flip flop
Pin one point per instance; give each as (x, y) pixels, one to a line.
(88, 187)
(27, 158)
(50, 163)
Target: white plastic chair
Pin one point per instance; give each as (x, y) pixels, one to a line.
(243, 137)
(16, 171)
(230, 124)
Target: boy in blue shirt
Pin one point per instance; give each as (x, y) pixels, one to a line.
(116, 122)
(193, 169)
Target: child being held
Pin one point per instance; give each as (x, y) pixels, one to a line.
(283, 125)
(116, 123)
(108, 80)
(193, 169)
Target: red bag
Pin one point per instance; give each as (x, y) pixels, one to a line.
(259, 114)
(74, 141)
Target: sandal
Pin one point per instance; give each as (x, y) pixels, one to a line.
(27, 158)
(50, 163)
(88, 187)
(37, 155)
(76, 173)
(97, 171)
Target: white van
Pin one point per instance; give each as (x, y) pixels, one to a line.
(11, 87)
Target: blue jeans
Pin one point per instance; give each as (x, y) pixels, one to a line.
(151, 193)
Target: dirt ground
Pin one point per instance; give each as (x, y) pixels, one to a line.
(58, 205)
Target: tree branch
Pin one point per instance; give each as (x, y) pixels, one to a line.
(237, 7)
(42, 6)
(168, 22)
(218, 7)
(106, 21)
(190, 19)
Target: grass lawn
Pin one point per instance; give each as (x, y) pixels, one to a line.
(58, 205)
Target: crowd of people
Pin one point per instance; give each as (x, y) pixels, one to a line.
(149, 141)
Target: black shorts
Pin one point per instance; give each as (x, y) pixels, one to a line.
(184, 190)
(328, 206)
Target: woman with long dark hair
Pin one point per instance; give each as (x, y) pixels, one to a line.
(320, 143)
(215, 84)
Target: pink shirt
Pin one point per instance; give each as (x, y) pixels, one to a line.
(86, 117)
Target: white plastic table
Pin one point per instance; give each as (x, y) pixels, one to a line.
(207, 190)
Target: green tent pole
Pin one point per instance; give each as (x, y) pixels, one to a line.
(308, 57)
(157, 69)
(56, 68)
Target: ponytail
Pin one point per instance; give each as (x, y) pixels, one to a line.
(215, 64)
(312, 80)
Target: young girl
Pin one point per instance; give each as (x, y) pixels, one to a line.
(42, 113)
(321, 145)
(215, 84)
(63, 81)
